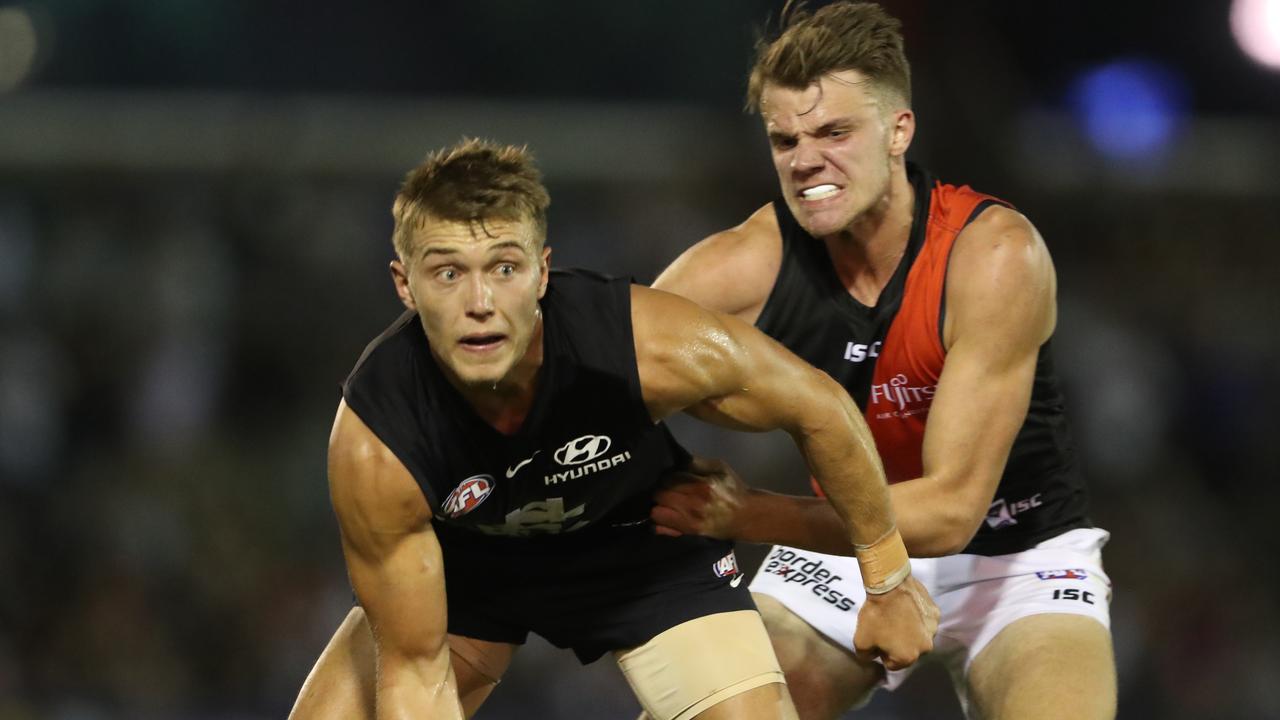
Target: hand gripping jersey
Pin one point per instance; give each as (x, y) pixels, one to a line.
(588, 453)
(889, 357)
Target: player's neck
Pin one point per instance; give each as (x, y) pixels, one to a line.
(866, 255)
(506, 404)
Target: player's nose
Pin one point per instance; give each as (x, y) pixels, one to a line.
(479, 298)
(806, 157)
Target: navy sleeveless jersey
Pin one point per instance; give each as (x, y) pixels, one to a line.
(888, 357)
(587, 455)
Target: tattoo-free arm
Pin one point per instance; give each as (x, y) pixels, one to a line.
(722, 370)
(1000, 310)
(396, 569)
(732, 271)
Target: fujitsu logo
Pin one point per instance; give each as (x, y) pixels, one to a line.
(906, 398)
(580, 450)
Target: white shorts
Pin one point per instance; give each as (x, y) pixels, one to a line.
(979, 596)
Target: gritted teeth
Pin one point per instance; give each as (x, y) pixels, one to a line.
(817, 192)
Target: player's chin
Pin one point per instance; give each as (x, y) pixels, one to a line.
(824, 221)
(484, 373)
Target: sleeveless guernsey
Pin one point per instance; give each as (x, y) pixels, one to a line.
(587, 454)
(547, 530)
(889, 357)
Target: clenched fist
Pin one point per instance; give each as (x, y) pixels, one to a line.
(898, 626)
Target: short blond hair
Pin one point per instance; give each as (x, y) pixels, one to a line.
(841, 36)
(473, 181)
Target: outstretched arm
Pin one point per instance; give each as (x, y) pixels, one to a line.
(722, 370)
(396, 568)
(1001, 309)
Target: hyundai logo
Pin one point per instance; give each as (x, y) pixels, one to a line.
(587, 447)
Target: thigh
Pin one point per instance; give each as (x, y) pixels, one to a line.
(824, 678)
(766, 702)
(706, 663)
(1045, 667)
(343, 683)
(1031, 629)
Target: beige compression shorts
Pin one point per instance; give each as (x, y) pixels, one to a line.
(694, 665)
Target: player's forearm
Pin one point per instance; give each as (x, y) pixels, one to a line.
(928, 527)
(934, 522)
(841, 455)
(810, 523)
(416, 688)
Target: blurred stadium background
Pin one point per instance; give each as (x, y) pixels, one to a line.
(194, 230)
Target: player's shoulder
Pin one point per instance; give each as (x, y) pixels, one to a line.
(390, 347)
(999, 235)
(731, 271)
(1000, 279)
(758, 232)
(365, 476)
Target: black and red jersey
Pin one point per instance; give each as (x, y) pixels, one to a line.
(890, 356)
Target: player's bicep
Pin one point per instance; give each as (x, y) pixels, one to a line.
(718, 368)
(393, 557)
(1001, 310)
(774, 389)
(979, 406)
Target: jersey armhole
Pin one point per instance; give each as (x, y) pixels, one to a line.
(978, 209)
(786, 223)
(372, 419)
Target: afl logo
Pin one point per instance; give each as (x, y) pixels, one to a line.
(467, 496)
(587, 447)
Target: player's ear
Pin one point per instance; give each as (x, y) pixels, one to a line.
(901, 130)
(544, 269)
(400, 276)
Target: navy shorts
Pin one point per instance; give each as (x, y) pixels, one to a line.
(592, 591)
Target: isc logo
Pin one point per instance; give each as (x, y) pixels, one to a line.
(857, 352)
(467, 496)
(1074, 594)
(1001, 513)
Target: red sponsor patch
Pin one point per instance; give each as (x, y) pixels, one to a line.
(467, 496)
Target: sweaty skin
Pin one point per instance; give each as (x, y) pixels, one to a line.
(722, 370)
(1000, 310)
(838, 147)
(476, 294)
(1000, 300)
